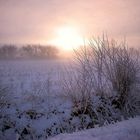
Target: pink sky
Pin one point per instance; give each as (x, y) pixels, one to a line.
(34, 21)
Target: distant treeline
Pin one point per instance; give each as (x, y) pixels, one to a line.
(28, 52)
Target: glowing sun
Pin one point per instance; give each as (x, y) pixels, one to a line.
(67, 37)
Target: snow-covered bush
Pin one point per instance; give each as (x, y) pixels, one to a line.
(108, 70)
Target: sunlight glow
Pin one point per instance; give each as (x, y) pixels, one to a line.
(68, 38)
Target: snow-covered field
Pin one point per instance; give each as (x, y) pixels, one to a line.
(26, 77)
(125, 130)
(31, 97)
(34, 106)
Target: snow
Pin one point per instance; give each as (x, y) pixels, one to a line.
(22, 78)
(37, 108)
(125, 130)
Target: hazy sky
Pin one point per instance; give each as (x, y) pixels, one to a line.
(34, 21)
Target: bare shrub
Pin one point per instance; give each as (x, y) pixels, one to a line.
(119, 65)
(109, 70)
(76, 87)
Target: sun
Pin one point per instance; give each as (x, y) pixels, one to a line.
(67, 38)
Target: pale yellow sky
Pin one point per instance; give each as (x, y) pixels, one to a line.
(34, 21)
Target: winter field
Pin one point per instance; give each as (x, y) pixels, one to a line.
(22, 78)
(32, 97)
(69, 69)
(40, 99)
